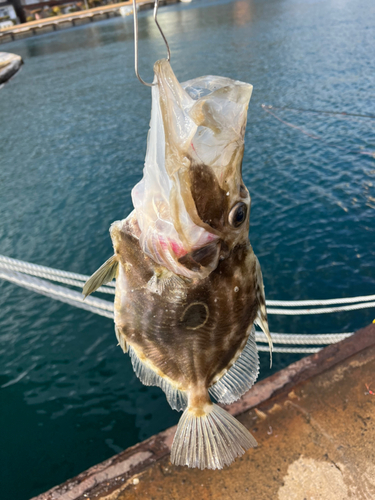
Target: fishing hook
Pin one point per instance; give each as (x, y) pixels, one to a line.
(156, 6)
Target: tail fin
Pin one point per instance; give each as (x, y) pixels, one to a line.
(209, 441)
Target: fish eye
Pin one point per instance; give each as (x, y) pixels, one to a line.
(238, 214)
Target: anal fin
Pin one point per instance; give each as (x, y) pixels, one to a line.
(176, 398)
(106, 273)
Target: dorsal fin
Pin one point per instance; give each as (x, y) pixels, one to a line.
(240, 377)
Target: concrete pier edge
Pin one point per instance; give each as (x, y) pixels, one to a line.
(106, 479)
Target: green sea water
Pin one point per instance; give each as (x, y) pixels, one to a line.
(73, 128)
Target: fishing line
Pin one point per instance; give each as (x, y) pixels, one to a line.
(156, 6)
(316, 137)
(317, 111)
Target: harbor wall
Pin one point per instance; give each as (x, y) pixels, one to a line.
(56, 23)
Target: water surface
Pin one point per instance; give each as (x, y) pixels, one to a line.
(72, 143)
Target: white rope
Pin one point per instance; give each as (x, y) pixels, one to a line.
(13, 269)
(326, 302)
(323, 310)
(35, 272)
(105, 308)
(299, 338)
(290, 350)
(49, 273)
(92, 304)
(78, 280)
(47, 270)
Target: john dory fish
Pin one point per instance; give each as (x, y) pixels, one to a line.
(188, 285)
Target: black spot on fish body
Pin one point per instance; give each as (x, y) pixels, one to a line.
(195, 316)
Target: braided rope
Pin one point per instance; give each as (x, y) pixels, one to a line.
(290, 350)
(299, 338)
(73, 279)
(78, 280)
(92, 304)
(105, 308)
(43, 271)
(323, 310)
(324, 302)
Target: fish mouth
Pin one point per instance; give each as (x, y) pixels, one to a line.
(195, 261)
(203, 258)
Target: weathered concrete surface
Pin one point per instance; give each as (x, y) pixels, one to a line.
(315, 425)
(9, 65)
(317, 442)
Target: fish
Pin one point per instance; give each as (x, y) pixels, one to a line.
(189, 288)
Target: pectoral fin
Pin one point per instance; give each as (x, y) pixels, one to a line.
(106, 273)
(166, 281)
(175, 397)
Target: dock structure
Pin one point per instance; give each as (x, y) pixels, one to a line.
(56, 23)
(315, 426)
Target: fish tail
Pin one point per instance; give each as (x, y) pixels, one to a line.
(209, 438)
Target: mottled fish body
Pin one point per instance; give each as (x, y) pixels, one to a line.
(188, 285)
